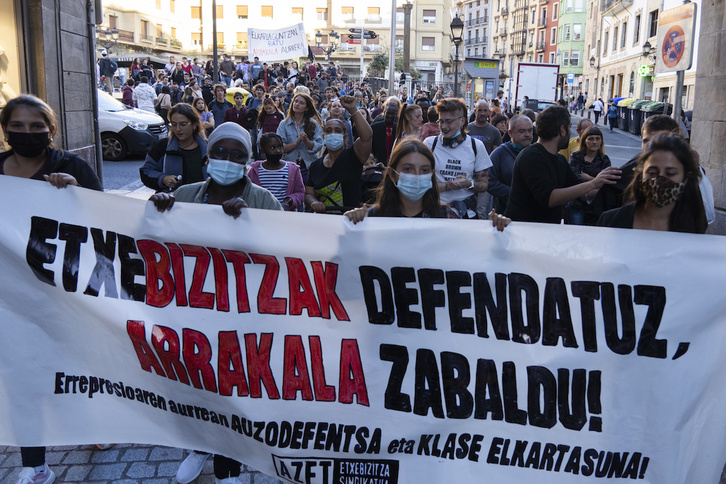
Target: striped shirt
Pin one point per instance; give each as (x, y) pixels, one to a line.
(275, 181)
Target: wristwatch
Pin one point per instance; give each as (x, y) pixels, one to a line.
(472, 185)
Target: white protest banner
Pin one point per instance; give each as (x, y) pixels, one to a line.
(394, 351)
(280, 44)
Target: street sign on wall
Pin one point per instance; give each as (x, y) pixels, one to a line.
(676, 28)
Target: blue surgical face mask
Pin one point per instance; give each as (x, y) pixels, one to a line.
(413, 186)
(225, 172)
(334, 141)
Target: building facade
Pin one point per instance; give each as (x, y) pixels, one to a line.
(184, 27)
(477, 38)
(570, 46)
(616, 33)
(47, 49)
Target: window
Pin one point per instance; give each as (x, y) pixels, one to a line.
(565, 58)
(636, 30)
(348, 13)
(112, 22)
(158, 4)
(398, 45)
(196, 12)
(624, 35)
(429, 16)
(374, 14)
(653, 30)
(242, 40)
(159, 31)
(399, 15)
(196, 38)
(540, 58)
(605, 43)
(220, 38)
(323, 39)
(468, 51)
(266, 11)
(567, 33)
(534, 16)
(577, 32)
(297, 13)
(615, 38)
(173, 32)
(554, 11)
(632, 84)
(172, 6)
(553, 36)
(552, 57)
(568, 6)
(428, 44)
(220, 11)
(321, 14)
(476, 51)
(242, 12)
(575, 59)
(544, 16)
(579, 4)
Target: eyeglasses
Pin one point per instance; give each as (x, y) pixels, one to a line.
(448, 122)
(220, 153)
(182, 125)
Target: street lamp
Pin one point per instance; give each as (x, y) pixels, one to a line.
(332, 46)
(107, 38)
(457, 29)
(649, 51)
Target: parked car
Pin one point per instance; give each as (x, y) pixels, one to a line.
(126, 130)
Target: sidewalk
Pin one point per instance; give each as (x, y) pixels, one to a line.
(121, 464)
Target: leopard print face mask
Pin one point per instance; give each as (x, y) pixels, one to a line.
(661, 191)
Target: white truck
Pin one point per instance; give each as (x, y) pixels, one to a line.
(536, 82)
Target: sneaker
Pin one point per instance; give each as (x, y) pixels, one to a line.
(228, 480)
(29, 475)
(191, 467)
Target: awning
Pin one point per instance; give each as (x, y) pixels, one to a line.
(126, 59)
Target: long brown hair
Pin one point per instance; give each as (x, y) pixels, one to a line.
(688, 215)
(263, 114)
(403, 123)
(31, 102)
(188, 112)
(388, 202)
(310, 113)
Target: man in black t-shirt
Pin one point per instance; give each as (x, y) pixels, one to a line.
(542, 181)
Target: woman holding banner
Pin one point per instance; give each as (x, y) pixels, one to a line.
(409, 188)
(664, 193)
(29, 125)
(229, 152)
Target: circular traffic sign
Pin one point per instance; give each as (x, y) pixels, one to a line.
(674, 45)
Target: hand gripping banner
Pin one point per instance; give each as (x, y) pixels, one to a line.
(391, 351)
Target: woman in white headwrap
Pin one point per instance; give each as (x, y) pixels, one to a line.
(229, 152)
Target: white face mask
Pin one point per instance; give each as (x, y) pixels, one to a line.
(225, 172)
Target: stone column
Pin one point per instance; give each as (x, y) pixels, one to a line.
(709, 110)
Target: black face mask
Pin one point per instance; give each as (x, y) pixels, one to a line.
(29, 145)
(274, 158)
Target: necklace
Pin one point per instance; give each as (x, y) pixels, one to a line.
(188, 145)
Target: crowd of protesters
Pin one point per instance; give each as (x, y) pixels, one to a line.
(285, 136)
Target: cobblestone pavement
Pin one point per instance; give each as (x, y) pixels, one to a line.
(125, 464)
(121, 464)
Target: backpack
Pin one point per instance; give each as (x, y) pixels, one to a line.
(113, 67)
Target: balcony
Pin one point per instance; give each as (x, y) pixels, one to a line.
(541, 23)
(504, 11)
(615, 5)
(372, 48)
(540, 46)
(126, 36)
(147, 38)
(162, 41)
(503, 33)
